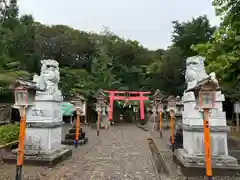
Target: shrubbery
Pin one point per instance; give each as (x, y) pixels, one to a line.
(9, 133)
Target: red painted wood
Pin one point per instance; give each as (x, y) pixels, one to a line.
(137, 98)
(114, 95)
(130, 92)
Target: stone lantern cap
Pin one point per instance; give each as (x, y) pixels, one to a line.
(171, 103)
(24, 92)
(79, 97)
(208, 83)
(171, 99)
(26, 84)
(100, 95)
(78, 101)
(179, 101)
(158, 96)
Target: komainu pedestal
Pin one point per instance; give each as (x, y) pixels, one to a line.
(44, 120)
(193, 153)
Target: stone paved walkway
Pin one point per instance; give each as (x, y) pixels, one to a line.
(120, 153)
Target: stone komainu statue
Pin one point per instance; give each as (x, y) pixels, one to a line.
(49, 76)
(195, 71)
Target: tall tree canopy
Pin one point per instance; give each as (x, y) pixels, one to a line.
(90, 61)
(222, 51)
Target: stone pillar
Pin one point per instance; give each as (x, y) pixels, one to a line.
(44, 125)
(44, 119)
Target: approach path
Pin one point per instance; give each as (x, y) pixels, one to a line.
(119, 153)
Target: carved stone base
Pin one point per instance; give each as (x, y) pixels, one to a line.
(43, 139)
(42, 158)
(193, 143)
(226, 162)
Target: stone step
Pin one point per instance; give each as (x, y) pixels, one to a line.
(73, 135)
(71, 142)
(48, 160)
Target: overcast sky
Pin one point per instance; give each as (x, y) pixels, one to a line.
(147, 21)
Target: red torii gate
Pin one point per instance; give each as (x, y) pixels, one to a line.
(114, 95)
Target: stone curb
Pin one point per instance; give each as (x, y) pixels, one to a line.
(141, 127)
(161, 158)
(153, 162)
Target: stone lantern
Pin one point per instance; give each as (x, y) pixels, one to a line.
(79, 104)
(179, 109)
(172, 109)
(157, 99)
(76, 135)
(206, 98)
(100, 105)
(24, 92)
(171, 106)
(100, 108)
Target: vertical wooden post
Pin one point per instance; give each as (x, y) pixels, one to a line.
(237, 111)
(110, 112)
(207, 144)
(86, 122)
(77, 128)
(237, 119)
(20, 156)
(98, 124)
(160, 123)
(154, 118)
(172, 129)
(141, 107)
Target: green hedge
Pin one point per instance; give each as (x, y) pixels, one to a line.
(9, 133)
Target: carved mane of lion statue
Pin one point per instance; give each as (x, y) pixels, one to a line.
(195, 71)
(49, 76)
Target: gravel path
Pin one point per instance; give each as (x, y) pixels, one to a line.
(120, 153)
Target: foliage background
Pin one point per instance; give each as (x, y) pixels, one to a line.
(9, 133)
(90, 61)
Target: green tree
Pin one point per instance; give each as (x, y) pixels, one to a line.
(222, 52)
(196, 31)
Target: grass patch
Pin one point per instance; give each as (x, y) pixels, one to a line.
(9, 133)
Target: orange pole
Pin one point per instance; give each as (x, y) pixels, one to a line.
(20, 156)
(77, 128)
(207, 145)
(172, 130)
(160, 123)
(98, 124)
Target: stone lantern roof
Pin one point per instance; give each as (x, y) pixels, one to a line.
(208, 83)
(27, 84)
